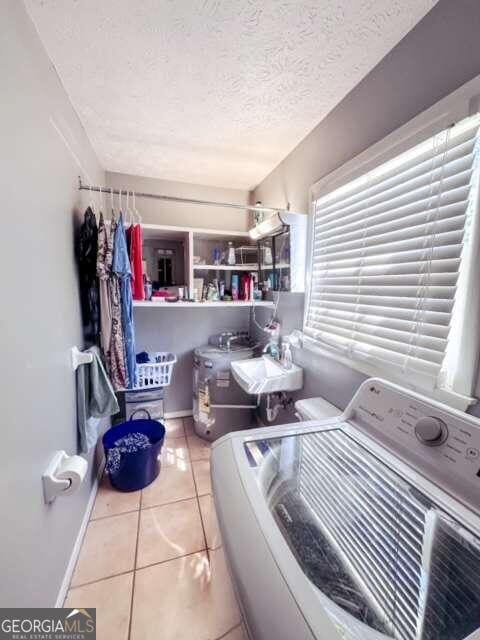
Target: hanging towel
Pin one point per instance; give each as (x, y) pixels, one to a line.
(104, 273)
(136, 257)
(95, 399)
(87, 258)
(117, 366)
(121, 266)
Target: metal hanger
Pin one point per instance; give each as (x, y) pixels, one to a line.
(119, 202)
(100, 203)
(92, 204)
(128, 210)
(112, 203)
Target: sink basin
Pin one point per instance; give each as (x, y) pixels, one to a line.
(266, 375)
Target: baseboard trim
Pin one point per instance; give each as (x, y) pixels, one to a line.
(178, 414)
(67, 578)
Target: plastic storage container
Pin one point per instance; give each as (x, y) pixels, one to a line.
(157, 372)
(138, 469)
(133, 400)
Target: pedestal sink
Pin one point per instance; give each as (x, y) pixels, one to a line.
(264, 375)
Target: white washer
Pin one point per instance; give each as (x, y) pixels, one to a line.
(359, 527)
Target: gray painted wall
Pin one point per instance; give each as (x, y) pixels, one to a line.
(176, 214)
(41, 315)
(321, 376)
(440, 54)
(180, 331)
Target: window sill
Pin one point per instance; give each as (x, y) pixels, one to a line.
(447, 396)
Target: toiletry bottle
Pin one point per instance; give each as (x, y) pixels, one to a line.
(147, 285)
(273, 350)
(287, 359)
(231, 254)
(245, 291)
(235, 284)
(216, 287)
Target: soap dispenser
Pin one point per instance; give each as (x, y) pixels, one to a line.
(287, 359)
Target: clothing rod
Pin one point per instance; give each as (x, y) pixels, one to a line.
(208, 203)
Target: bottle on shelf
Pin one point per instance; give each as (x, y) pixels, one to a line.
(231, 254)
(235, 287)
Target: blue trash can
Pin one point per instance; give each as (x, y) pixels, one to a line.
(140, 468)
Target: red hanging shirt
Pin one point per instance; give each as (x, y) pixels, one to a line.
(136, 257)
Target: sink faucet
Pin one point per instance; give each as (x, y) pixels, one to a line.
(272, 349)
(230, 339)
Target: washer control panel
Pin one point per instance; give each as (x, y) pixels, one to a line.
(439, 442)
(431, 431)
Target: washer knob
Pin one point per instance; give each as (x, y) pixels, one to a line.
(431, 431)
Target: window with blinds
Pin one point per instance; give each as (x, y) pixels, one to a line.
(387, 252)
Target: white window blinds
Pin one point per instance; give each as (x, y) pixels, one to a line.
(387, 251)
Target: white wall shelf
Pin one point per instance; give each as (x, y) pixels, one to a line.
(184, 305)
(278, 265)
(225, 267)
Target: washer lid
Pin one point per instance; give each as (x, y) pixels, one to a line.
(388, 562)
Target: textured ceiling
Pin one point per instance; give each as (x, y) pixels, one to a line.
(212, 91)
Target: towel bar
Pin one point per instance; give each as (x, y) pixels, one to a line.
(79, 357)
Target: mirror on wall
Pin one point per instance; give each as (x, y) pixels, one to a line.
(165, 262)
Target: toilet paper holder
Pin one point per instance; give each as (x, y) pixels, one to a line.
(63, 475)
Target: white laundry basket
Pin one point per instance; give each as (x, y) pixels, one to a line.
(157, 372)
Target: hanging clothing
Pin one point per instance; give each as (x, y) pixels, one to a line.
(87, 259)
(104, 273)
(121, 266)
(95, 399)
(117, 366)
(136, 258)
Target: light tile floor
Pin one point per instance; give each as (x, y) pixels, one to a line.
(152, 562)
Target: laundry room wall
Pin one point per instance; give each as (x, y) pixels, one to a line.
(334, 380)
(181, 331)
(43, 148)
(439, 55)
(185, 215)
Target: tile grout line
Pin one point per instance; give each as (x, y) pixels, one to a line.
(224, 635)
(138, 535)
(135, 566)
(70, 586)
(147, 566)
(165, 504)
(113, 515)
(109, 577)
(203, 527)
(198, 506)
(186, 555)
